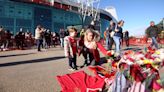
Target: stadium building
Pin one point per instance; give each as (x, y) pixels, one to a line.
(51, 14)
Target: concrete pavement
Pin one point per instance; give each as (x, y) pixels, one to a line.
(32, 71)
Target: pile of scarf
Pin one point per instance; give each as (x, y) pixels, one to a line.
(80, 82)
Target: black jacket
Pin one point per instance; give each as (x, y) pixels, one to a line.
(152, 31)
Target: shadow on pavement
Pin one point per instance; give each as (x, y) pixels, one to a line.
(15, 55)
(31, 61)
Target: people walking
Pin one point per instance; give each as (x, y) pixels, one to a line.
(28, 39)
(21, 38)
(153, 31)
(117, 36)
(2, 39)
(108, 35)
(47, 36)
(38, 37)
(62, 35)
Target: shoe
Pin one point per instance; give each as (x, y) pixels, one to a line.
(39, 50)
(81, 66)
(71, 69)
(75, 69)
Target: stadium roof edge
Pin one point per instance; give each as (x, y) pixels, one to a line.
(109, 14)
(77, 5)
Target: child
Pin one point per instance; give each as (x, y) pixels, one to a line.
(70, 48)
(91, 39)
(82, 49)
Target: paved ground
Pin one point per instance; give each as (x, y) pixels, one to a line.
(32, 71)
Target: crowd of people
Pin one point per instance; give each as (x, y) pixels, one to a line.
(114, 35)
(5, 38)
(26, 40)
(89, 43)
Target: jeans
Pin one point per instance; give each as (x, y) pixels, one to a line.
(154, 42)
(39, 44)
(7, 43)
(72, 62)
(110, 43)
(117, 43)
(127, 42)
(85, 53)
(107, 43)
(62, 42)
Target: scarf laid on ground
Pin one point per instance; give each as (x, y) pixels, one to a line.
(80, 82)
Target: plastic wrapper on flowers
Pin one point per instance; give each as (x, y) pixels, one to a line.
(143, 68)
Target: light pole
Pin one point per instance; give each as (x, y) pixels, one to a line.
(163, 24)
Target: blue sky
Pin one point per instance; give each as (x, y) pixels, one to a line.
(136, 13)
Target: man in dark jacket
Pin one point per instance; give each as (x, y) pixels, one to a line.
(152, 31)
(126, 37)
(62, 35)
(2, 38)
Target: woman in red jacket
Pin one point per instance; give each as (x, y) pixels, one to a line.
(91, 39)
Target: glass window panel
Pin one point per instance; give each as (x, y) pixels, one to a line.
(23, 22)
(6, 21)
(25, 29)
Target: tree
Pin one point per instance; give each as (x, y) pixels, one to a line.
(160, 25)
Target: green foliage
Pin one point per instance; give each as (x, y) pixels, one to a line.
(160, 25)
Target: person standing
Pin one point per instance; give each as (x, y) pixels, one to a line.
(38, 37)
(17, 40)
(8, 39)
(22, 38)
(152, 31)
(126, 37)
(106, 36)
(109, 37)
(62, 35)
(70, 48)
(29, 39)
(47, 36)
(2, 38)
(117, 36)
